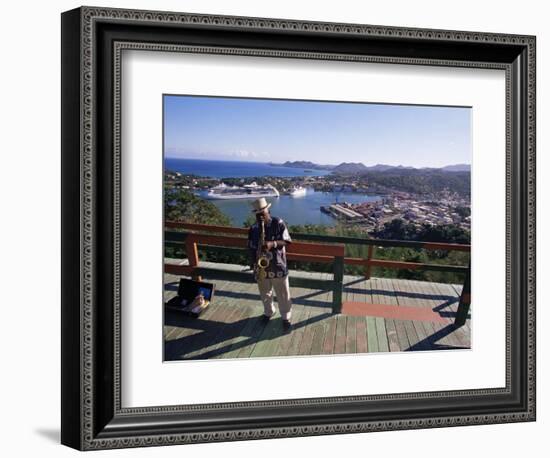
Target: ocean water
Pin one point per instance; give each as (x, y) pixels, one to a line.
(293, 210)
(235, 169)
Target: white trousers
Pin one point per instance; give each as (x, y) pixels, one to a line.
(282, 291)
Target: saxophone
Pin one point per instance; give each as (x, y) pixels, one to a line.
(263, 257)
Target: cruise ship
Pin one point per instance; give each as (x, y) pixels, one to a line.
(298, 191)
(248, 191)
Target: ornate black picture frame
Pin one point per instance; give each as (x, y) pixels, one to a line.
(92, 415)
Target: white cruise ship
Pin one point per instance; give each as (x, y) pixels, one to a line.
(299, 191)
(248, 191)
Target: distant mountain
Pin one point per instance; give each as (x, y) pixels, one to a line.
(300, 164)
(380, 167)
(360, 168)
(350, 167)
(384, 168)
(304, 165)
(456, 168)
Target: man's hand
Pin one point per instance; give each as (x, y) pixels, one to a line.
(269, 245)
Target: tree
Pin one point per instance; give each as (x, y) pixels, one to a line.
(463, 212)
(249, 221)
(398, 229)
(182, 205)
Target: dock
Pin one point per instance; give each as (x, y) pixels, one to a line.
(340, 211)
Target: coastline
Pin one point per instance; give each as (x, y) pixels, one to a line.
(364, 200)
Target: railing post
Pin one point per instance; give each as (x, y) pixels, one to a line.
(338, 279)
(464, 303)
(192, 254)
(368, 268)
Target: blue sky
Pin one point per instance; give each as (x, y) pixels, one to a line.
(264, 130)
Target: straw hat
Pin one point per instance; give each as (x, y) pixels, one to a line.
(259, 205)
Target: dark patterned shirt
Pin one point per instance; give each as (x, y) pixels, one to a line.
(275, 229)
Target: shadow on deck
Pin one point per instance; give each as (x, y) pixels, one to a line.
(379, 315)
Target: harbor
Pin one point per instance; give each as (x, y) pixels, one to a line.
(305, 196)
(295, 210)
(301, 206)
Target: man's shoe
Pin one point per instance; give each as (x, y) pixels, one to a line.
(287, 325)
(265, 319)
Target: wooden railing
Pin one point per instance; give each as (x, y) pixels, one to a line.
(306, 252)
(318, 249)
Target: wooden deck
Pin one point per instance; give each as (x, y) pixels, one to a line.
(379, 315)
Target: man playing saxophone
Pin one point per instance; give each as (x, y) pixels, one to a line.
(267, 239)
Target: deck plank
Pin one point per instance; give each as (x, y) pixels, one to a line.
(225, 326)
(351, 336)
(267, 344)
(285, 341)
(251, 329)
(399, 325)
(361, 334)
(323, 326)
(330, 336)
(381, 334)
(391, 332)
(448, 334)
(458, 290)
(190, 342)
(263, 346)
(436, 329)
(340, 337)
(298, 330)
(462, 334)
(275, 342)
(239, 322)
(372, 337)
(252, 312)
(403, 294)
(363, 292)
(318, 338)
(424, 329)
(247, 346)
(243, 309)
(380, 323)
(218, 336)
(314, 318)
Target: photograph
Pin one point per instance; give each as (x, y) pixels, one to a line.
(326, 227)
(267, 226)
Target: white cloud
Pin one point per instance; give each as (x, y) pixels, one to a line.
(240, 155)
(244, 154)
